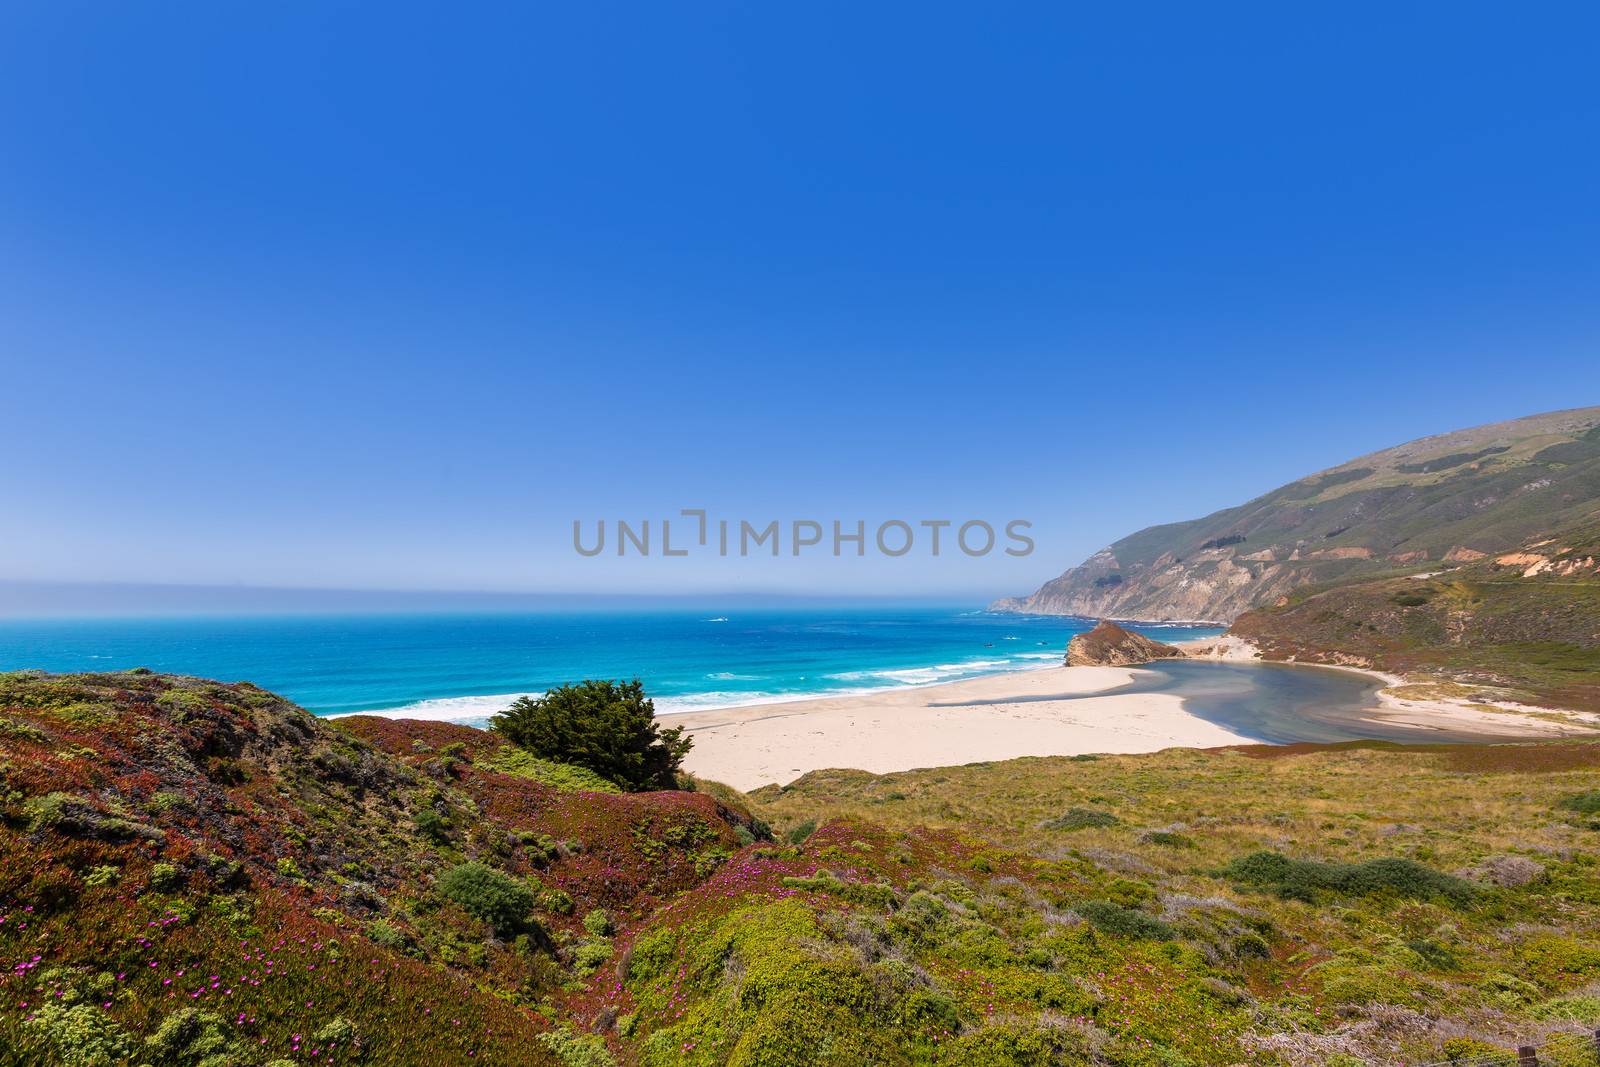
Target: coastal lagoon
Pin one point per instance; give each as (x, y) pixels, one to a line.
(1274, 703)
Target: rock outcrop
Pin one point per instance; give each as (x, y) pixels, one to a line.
(1109, 645)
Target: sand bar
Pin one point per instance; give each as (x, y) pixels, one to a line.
(1003, 716)
(898, 729)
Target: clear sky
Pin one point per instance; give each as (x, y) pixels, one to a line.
(385, 296)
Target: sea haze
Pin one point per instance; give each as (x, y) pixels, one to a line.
(465, 666)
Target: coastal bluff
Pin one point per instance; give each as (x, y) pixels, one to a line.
(1109, 645)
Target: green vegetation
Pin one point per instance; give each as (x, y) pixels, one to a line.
(1587, 803)
(567, 777)
(1080, 819)
(1308, 879)
(1289, 906)
(607, 727)
(502, 902)
(1527, 638)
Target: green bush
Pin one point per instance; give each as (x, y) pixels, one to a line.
(597, 922)
(81, 1035)
(431, 825)
(489, 895)
(798, 835)
(1307, 879)
(869, 894)
(1115, 919)
(577, 1050)
(591, 954)
(165, 877)
(190, 1036)
(103, 875)
(1584, 803)
(387, 934)
(608, 727)
(1081, 819)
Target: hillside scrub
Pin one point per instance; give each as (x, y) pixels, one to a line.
(1305, 879)
(379, 891)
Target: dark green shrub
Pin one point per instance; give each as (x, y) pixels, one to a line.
(485, 893)
(1434, 954)
(798, 835)
(1117, 920)
(1081, 819)
(1306, 879)
(1584, 803)
(431, 825)
(608, 727)
(1251, 946)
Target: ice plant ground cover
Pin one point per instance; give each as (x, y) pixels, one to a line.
(199, 873)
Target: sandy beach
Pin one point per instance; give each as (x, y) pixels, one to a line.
(1003, 716)
(940, 725)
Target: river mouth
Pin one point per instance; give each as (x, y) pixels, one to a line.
(1274, 703)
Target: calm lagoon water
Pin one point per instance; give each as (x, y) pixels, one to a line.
(1273, 702)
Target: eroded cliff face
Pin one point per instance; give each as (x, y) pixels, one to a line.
(1441, 500)
(1213, 587)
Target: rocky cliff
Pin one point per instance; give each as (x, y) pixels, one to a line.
(1109, 645)
(1453, 497)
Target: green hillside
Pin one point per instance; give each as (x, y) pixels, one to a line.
(1525, 622)
(203, 874)
(1452, 496)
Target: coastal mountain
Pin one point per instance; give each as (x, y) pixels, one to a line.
(1447, 499)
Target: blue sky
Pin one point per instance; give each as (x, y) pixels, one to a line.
(386, 296)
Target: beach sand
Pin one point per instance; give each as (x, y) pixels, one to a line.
(899, 729)
(1001, 716)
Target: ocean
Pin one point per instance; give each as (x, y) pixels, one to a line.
(464, 667)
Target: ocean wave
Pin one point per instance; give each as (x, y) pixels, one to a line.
(447, 709)
(477, 710)
(719, 618)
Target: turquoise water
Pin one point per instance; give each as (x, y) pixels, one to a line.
(464, 667)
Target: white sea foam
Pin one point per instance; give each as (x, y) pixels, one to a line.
(477, 710)
(448, 709)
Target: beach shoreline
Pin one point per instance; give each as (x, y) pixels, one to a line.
(1425, 704)
(1048, 711)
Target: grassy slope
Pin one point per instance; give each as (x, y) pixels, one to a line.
(162, 830)
(1537, 637)
(1067, 911)
(1397, 501)
(1487, 488)
(1371, 977)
